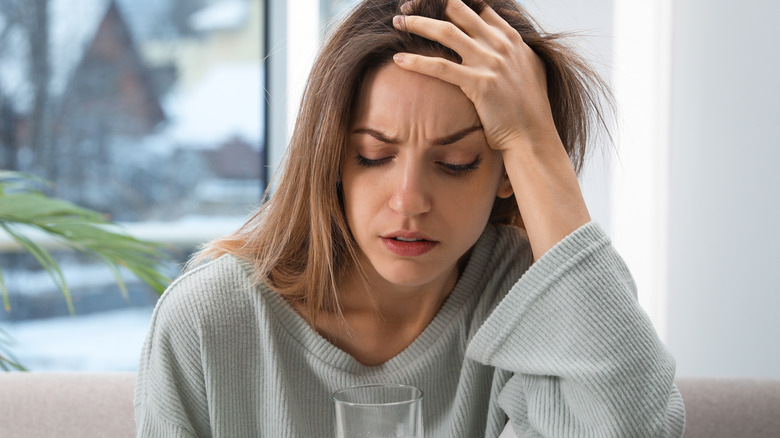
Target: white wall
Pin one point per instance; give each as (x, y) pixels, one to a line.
(724, 291)
(625, 40)
(711, 280)
(591, 23)
(293, 41)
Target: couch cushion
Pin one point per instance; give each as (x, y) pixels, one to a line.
(65, 405)
(86, 405)
(731, 408)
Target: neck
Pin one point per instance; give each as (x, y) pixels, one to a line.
(394, 303)
(378, 319)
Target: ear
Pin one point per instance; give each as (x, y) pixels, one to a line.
(505, 187)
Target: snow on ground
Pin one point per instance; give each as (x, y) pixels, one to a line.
(107, 341)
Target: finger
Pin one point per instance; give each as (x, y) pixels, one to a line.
(433, 66)
(491, 17)
(409, 6)
(441, 31)
(467, 19)
(458, 13)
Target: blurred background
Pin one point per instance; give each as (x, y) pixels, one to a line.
(170, 116)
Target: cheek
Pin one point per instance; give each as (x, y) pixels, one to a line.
(479, 192)
(473, 203)
(360, 195)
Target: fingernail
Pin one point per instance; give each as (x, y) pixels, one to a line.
(398, 58)
(406, 7)
(397, 21)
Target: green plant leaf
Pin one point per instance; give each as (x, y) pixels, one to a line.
(7, 360)
(79, 228)
(120, 282)
(37, 208)
(46, 261)
(12, 181)
(4, 292)
(25, 210)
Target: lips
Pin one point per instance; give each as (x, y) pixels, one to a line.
(408, 244)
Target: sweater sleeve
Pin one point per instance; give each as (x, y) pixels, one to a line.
(170, 397)
(585, 358)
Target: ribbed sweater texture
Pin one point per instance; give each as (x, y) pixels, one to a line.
(558, 347)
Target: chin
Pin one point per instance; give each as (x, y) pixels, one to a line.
(409, 277)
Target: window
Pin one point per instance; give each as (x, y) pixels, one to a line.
(150, 111)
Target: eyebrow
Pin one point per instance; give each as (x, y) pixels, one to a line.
(449, 139)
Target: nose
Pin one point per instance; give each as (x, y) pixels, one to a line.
(411, 195)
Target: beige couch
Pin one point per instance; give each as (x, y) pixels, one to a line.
(66, 405)
(85, 405)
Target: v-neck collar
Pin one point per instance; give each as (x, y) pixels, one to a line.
(463, 298)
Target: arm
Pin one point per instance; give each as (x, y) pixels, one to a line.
(505, 80)
(169, 394)
(586, 359)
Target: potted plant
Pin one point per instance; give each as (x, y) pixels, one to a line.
(26, 210)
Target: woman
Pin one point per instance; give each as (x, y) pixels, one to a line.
(427, 229)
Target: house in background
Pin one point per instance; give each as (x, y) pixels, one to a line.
(112, 80)
(129, 137)
(223, 32)
(108, 96)
(217, 107)
(137, 122)
(102, 129)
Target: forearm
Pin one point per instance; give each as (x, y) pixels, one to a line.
(585, 356)
(546, 189)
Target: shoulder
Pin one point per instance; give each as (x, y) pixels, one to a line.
(498, 259)
(509, 245)
(510, 239)
(505, 250)
(224, 273)
(201, 324)
(221, 288)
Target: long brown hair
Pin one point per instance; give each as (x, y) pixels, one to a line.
(299, 240)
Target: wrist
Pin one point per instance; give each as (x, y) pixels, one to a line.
(546, 190)
(541, 134)
(536, 150)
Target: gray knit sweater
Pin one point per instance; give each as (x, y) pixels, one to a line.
(559, 348)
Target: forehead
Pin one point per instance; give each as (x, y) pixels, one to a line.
(390, 95)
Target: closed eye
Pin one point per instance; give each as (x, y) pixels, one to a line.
(452, 169)
(461, 169)
(365, 162)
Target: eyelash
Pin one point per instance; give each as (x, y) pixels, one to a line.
(365, 162)
(452, 169)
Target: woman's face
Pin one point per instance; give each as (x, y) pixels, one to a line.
(419, 179)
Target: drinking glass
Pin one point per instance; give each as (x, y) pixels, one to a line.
(379, 411)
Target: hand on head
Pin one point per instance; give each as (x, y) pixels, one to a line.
(501, 75)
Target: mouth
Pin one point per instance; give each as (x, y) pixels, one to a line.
(407, 236)
(408, 244)
(404, 239)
